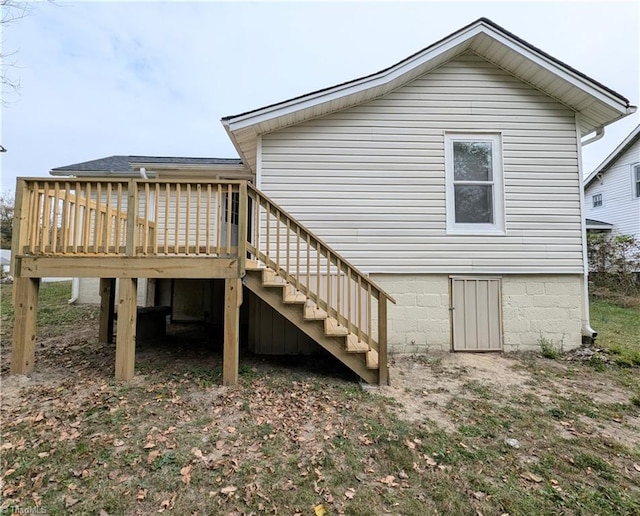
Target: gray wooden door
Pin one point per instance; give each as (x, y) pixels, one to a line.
(476, 314)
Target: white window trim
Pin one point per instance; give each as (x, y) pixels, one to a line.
(498, 226)
(593, 202)
(634, 181)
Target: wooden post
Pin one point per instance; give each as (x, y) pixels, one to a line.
(132, 217)
(20, 230)
(232, 302)
(24, 329)
(126, 335)
(107, 300)
(383, 371)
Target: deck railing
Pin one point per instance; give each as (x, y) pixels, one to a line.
(135, 217)
(316, 270)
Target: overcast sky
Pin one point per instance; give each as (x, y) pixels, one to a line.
(154, 78)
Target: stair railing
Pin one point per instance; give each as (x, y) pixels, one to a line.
(324, 276)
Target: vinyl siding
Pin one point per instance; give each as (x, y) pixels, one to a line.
(619, 207)
(370, 179)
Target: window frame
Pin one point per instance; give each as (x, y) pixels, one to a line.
(635, 180)
(497, 227)
(599, 201)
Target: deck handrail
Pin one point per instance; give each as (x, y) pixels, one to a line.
(360, 289)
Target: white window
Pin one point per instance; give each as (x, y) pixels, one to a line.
(636, 179)
(475, 198)
(596, 200)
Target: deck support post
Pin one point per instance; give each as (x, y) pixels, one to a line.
(383, 371)
(126, 334)
(24, 329)
(107, 309)
(232, 302)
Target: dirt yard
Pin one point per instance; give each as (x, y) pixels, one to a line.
(454, 433)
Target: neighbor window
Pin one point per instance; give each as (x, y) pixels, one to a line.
(636, 179)
(596, 200)
(473, 165)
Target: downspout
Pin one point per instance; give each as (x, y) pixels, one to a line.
(143, 173)
(588, 333)
(75, 291)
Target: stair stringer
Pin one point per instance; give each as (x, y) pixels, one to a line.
(313, 328)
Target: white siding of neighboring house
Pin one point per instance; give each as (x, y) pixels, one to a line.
(89, 291)
(620, 206)
(370, 179)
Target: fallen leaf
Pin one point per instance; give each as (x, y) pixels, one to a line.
(350, 493)
(149, 445)
(229, 490)
(431, 462)
(531, 476)
(142, 494)
(320, 510)
(118, 442)
(409, 444)
(479, 495)
(153, 455)
(636, 467)
(186, 474)
(69, 501)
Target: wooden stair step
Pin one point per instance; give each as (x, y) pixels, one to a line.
(271, 279)
(333, 329)
(292, 296)
(356, 346)
(253, 265)
(372, 359)
(313, 312)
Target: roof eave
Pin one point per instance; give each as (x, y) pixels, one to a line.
(611, 158)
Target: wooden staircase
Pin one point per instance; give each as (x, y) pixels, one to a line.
(314, 322)
(317, 290)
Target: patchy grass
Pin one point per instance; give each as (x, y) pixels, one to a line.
(618, 330)
(293, 436)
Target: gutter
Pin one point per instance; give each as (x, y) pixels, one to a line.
(598, 136)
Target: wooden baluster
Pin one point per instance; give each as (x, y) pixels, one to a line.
(256, 224)
(383, 371)
(198, 208)
(369, 327)
(156, 217)
(219, 221)
(132, 218)
(56, 214)
(46, 218)
(145, 221)
(268, 229)
(86, 220)
(34, 217)
(338, 289)
(317, 274)
(64, 229)
(297, 257)
(229, 217)
(348, 298)
(359, 307)
(277, 241)
(176, 240)
(208, 219)
(288, 245)
(167, 204)
(329, 300)
(308, 262)
(107, 217)
(118, 218)
(76, 219)
(187, 222)
(97, 229)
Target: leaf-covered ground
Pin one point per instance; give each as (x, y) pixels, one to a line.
(455, 434)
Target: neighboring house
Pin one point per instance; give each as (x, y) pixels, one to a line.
(612, 190)
(448, 184)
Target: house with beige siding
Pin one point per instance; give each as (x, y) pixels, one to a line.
(612, 190)
(436, 204)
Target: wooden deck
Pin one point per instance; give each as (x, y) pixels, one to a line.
(122, 230)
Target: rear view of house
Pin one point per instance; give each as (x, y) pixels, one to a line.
(436, 204)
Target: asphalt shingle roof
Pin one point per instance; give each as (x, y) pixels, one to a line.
(123, 163)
